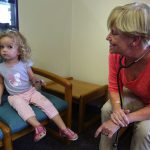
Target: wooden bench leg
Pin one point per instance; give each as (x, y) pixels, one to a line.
(7, 141)
(81, 115)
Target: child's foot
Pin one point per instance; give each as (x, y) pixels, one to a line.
(69, 134)
(40, 132)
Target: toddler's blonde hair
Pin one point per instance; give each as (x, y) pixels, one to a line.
(20, 41)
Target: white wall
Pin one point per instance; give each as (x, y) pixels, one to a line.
(47, 27)
(68, 36)
(89, 48)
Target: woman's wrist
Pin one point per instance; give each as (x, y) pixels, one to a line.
(116, 106)
(117, 101)
(115, 123)
(130, 118)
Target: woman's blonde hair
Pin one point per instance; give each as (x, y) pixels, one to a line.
(20, 41)
(132, 20)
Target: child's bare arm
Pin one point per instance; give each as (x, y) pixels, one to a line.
(34, 79)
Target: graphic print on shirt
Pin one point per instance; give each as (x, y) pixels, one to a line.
(14, 79)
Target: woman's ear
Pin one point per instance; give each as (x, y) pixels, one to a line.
(136, 41)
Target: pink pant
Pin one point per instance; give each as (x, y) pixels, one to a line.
(21, 103)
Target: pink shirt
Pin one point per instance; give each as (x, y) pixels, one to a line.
(140, 86)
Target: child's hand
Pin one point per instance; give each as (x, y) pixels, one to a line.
(38, 83)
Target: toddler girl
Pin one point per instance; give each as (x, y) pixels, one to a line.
(18, 78)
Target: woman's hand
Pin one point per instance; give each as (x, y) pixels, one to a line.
(108, 128)
(119, 117)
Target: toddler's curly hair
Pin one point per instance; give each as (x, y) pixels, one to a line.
(18, 39)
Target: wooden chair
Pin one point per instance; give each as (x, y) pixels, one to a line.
(13, 127)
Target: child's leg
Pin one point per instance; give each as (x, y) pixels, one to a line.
(64, 131)
(21, 106)
(40, 131)
(39, 100)
(44, 104)
(59, 122)
(27, 114)
(33, 121)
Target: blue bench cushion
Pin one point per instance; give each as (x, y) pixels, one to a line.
(1, 134)
(16, 123)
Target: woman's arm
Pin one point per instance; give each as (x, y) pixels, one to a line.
(139, 115)
(118, 115)
(112, 78)
(115, 100)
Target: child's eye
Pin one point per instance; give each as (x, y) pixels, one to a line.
(9, 46)
(1, 46)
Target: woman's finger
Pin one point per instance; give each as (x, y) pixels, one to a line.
(119, 119)
(98, 131)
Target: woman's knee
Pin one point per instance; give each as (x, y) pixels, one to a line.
(141, 136)
(106, 111)
(107, 108)
(142, 129)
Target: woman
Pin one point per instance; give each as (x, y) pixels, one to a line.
(129, 38)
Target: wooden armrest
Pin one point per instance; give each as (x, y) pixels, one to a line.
(62, 81)
(56, 78)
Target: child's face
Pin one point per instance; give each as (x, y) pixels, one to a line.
(8, 49)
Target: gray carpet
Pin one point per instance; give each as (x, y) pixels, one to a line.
(86, 141)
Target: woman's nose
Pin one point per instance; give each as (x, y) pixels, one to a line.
(108, 37)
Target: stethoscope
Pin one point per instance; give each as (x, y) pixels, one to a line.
(115, 144)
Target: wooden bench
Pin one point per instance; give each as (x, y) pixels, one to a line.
(83, 93)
